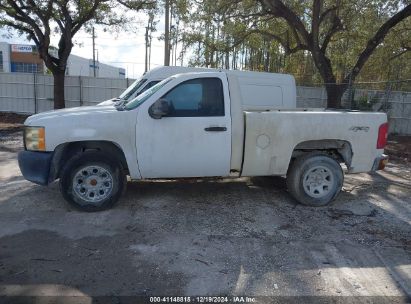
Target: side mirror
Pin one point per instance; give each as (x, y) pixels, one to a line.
(159, 109)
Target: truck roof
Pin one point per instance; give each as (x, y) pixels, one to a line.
(167, 71)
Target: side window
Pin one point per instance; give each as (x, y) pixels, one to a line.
(196, 98)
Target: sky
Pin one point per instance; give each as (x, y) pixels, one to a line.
(122, 49)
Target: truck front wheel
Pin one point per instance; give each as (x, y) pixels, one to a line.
(315, 179)
(91, 181)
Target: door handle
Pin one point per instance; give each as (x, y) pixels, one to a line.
(216, 129)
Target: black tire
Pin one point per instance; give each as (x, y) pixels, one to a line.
(315, 192)
(109, 168)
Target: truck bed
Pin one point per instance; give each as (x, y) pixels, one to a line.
(271, 137)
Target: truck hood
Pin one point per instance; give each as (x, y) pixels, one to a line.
(78, 113)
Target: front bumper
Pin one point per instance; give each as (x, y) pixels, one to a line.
(35, 166)
(380, 162)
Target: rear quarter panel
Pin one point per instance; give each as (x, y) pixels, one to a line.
(271, 137)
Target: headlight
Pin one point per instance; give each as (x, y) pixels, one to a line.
(34, 138)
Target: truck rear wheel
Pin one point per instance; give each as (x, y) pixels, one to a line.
(315, 179)
(91, 181)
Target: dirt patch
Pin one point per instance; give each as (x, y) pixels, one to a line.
(11, 122)
(399, 147)
(11, 131)
(12, 118)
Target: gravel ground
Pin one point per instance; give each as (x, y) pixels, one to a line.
(208, 237)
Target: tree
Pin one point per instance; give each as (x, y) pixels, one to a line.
(215, 39)
(39, 20)
(313, 28)
(332, 42)
(150, 28)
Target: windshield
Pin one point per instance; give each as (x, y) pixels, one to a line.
(146, 95)
(131, 90)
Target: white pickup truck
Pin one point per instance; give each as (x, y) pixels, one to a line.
(209, 124)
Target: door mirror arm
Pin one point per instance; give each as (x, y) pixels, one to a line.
(159, 109)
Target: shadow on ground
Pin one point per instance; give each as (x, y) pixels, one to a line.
(210, 237)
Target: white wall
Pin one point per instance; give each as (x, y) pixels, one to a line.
(108, 71)
(78, 66)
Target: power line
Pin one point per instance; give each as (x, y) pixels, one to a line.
(111, 38)
(131, 62)
(121, 46)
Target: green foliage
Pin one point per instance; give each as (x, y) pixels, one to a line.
(255, 40)
(367, 103)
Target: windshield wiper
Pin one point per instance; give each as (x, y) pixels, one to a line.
(121, 104)
(120, 101)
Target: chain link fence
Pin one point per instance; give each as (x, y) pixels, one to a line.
(391, 97)
(33, 93)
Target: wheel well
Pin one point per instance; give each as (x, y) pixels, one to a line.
(340, 150)
(65, 151)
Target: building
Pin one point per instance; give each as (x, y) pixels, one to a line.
(22, 58)
(79, 66)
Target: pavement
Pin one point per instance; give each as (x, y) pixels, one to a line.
(234, 237)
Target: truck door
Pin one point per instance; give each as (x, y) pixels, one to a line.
(194, 138)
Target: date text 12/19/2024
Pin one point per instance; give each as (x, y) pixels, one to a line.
(232, 299)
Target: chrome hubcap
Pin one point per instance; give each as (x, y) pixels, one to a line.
(93, 183)
(318, 181)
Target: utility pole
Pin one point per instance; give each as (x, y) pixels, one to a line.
(146, 59)
(94, 54)
(170, 37)
(176, 42)
(171, 49)
(149, 53)
(167, 34)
